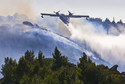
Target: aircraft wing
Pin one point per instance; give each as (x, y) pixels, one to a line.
(42, 14)
(78, 16)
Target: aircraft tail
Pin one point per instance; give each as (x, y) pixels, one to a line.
(70, 13)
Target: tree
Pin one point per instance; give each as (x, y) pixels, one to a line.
(8, 70)
(66, 75)
(87, 70)
(24, 68)
(56, 70)
(59, 60)
(41, 58)
(29, 55)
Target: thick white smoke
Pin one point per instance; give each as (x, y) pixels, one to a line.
(109, 46)
(16, 37)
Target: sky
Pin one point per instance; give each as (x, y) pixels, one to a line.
(94, 8)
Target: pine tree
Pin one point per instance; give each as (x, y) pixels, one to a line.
(41, 58)
(58, 59)
(29, 55)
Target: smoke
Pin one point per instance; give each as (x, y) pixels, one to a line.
(16, 38)
(110, 47)
(16, 6)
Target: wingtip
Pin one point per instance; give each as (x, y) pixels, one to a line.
(42, 16)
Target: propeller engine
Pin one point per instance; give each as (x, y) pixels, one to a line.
(56, 12)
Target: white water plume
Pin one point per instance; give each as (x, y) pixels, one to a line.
(109, 47)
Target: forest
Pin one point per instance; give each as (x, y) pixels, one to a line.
(31, 69)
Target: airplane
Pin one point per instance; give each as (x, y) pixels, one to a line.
(65, 18)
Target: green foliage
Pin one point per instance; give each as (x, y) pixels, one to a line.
(8, 69)
(66, 75)
(59, 60)
(56, 70)
(87, 70)
(41, 58)
(89, 73)
(29, 55)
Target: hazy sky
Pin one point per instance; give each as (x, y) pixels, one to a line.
(93, 8)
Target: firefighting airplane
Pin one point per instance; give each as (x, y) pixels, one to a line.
(63, 17)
